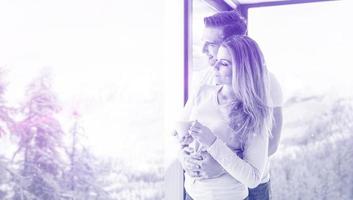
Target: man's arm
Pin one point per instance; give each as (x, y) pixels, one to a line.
(275, 131)
(198, 165)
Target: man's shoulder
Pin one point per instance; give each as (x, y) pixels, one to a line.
(275, 89)
(273, 78)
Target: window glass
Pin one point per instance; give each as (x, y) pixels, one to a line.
(103, 61)
(308, 48)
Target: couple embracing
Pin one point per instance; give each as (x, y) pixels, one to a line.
(228, 129)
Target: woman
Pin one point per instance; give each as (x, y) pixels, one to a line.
(231, 121)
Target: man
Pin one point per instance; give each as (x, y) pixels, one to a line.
(217, 28)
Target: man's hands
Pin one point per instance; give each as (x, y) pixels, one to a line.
(210, 168)
(189, 161)
(200, 165)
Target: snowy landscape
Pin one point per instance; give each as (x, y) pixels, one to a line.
(82, 98)
(51, 151)
(315, 157)
(58, 161)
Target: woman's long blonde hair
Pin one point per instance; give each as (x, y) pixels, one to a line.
(250, 113)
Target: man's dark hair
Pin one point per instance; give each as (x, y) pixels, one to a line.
(231, 22)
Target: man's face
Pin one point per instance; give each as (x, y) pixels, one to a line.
(212, 38)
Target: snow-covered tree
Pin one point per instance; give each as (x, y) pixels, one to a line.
(6, 125)
(83, 176)
(6, 120)
(5, 178)
(40, 142)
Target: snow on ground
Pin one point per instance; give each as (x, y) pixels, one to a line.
(315, 158)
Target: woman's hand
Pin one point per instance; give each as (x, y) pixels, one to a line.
(184, 140)
(202, 134)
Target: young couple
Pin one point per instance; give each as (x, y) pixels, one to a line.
(234, 123)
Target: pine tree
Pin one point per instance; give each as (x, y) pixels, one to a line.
(82, 178)
(4, 180)
(40, 141)
(6, 125)
(6, 120)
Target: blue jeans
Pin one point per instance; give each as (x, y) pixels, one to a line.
(187, 197)
(261, 192)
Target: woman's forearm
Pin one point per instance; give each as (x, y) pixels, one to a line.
(243, 170)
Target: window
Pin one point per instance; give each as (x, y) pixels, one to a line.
(106, 66)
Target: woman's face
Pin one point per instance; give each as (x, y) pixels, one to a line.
(223, 67)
